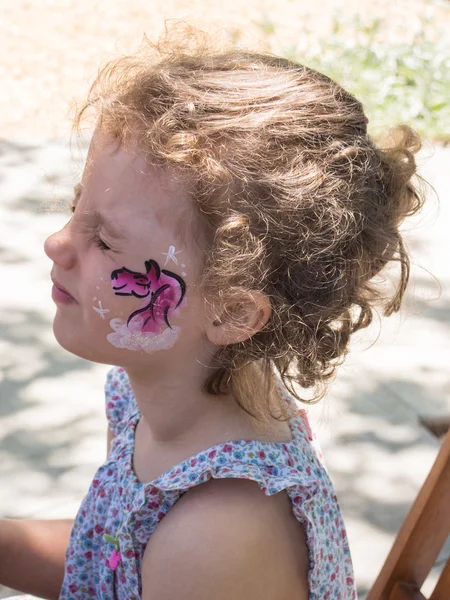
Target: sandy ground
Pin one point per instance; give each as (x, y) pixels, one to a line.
(50, 50)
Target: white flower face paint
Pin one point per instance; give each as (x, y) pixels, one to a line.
(132, 338)
(101, 311)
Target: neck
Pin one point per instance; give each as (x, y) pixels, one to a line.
(174, 406)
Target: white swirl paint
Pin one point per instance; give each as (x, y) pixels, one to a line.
(134, 339)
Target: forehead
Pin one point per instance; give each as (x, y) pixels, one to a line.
(119, 182)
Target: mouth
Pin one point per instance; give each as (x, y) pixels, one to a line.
(59, 292)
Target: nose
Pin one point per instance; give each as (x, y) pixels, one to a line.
(60, 250)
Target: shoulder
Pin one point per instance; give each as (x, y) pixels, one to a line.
(227, 539)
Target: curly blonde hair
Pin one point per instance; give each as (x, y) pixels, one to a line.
(294, 197)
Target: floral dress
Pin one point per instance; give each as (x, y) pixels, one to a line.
(119, 514)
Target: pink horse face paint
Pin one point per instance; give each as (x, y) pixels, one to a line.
(149, 327)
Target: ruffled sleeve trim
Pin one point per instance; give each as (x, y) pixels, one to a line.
(119, 399)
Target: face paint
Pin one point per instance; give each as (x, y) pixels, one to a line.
(148, 328)
(131, 336)
(171, 255)
(101, 311)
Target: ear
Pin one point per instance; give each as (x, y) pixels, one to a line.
(240, 319)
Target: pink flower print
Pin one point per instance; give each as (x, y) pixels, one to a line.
(193, 462)
(262, 454)
(98, 529)
(228, 448)
(212, 454)
(88, 555)
(114, 559)
(73, 588)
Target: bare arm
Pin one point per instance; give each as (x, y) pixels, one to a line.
(32, 555)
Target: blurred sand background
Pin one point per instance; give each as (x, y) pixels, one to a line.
(50, 50)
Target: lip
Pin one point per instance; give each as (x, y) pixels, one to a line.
(59, 292)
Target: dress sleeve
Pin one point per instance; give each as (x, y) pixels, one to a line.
(119, 399)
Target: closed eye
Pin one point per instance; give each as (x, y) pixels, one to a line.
(95, 238)
(100, 243)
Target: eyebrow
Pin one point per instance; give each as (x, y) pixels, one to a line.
(100, 219)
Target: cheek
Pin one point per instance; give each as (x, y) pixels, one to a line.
(101, 302)
(151, 303)
(99, 298)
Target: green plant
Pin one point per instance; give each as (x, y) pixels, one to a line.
(406, 81)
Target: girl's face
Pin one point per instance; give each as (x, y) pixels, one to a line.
(127, 262)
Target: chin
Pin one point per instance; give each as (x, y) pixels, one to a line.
(82, 346)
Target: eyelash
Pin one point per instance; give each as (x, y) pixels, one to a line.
(100, 243)
(96, 238)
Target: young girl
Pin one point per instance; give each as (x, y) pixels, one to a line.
(230, 221)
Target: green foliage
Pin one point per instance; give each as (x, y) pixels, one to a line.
(402, 82)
